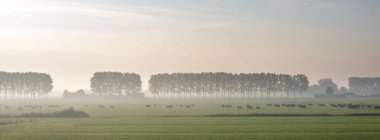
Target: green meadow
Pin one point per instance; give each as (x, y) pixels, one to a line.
(152, 119)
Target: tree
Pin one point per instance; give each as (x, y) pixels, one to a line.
(343, 90)
(224, 85)
(289, 84)
(327, 82)
(115, 83)
(18, 85)
(329, 91)
(365, 85)
(81, 91)
(302, 83)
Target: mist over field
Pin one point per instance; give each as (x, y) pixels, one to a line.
(189, 69)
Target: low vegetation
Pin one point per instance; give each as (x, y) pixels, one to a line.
(67, 113)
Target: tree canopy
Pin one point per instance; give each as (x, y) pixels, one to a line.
(365, 85)
(25, 85)
(329, 91)
(115, 83)
(225, 85)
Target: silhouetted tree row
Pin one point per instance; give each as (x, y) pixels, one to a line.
(115, 83)
(226, 85)
(365, 86)
(17, 85)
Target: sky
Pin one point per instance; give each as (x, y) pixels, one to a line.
(72, 39)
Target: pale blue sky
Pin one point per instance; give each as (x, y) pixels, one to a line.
(71, 39)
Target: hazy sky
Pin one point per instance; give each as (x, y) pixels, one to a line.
(72, 39)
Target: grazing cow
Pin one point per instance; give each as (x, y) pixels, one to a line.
(223, 105)
(369, 106)
(342, 105)
(333, 105)
(249, 107)
(187, 106)
(377, 107)
(289, 105)
(269, 104)
(169, 106)
(239, 107)
(181, 105)
(258, 107)
(276, 105)
(147, 105)
(301, 106)
(321, 104)
(354, 106)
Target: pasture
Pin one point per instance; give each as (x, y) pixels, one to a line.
(190, 119)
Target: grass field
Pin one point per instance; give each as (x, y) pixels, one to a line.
(131, 119)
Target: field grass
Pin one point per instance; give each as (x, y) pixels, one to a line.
(130, 119)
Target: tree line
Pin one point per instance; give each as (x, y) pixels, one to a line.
(226, 85)
(24, 85)
(365, 85)
(115, 83)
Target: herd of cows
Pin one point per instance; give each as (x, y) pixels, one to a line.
(227, 106)
(33, 107)
(284, 105)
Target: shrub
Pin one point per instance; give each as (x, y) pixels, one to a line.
(67, 113)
